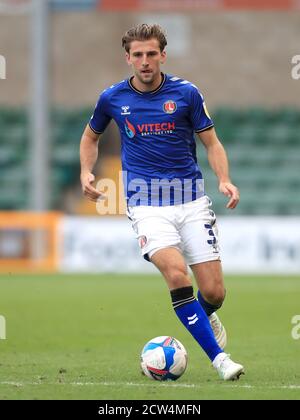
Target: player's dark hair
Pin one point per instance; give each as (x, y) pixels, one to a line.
(144, 32)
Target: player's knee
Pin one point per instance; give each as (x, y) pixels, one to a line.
(178, 278)
(215, 296)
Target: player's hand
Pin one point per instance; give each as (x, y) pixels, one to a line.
(230, 191)
(89, 191)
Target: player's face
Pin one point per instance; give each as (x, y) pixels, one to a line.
(145, 58)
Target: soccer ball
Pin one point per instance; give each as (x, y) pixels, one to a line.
(163, 358)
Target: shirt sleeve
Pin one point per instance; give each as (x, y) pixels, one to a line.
(199, 115)
(100, 118)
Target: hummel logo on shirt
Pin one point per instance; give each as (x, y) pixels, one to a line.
(125, 110)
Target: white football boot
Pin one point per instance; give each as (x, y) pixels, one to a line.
(218, 329)
(226, 368)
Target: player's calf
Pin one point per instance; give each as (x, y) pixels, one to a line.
(212, 302)
(218, 330)
(193, 317)
(216, 325)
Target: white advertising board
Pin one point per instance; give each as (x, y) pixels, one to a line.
(100, 244)
(248, 245)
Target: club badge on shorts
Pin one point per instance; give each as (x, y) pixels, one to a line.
(142, 241)
(170, 106)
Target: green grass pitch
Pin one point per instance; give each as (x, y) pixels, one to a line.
(80, 336)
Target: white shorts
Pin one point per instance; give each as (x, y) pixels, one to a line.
(189, 227)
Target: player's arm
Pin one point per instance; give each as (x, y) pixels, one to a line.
(88, 158)
(218, 161)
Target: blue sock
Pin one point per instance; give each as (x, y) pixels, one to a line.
(195, 320)
(208, 307)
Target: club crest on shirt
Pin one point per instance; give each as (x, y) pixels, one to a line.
(169, 106)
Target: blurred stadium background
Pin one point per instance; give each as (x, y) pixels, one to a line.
(60, 54)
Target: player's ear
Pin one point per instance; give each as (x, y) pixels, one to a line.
(163, 57)
(127, 56)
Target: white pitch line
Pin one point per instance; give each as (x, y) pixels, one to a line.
(133, 384)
